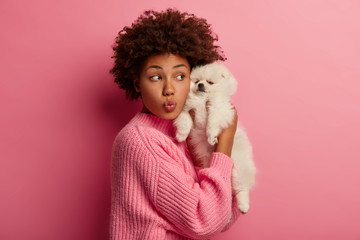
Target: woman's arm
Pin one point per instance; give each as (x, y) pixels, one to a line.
(226, 137)
(212, 197)
(195, 207)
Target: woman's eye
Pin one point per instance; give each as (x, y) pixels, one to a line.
(180, 77)
(155, 78)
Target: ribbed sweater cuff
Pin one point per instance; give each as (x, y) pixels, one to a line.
(222, 162)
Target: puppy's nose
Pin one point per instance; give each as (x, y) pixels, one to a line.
(201, 87)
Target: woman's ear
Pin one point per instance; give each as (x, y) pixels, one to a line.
(136, 85)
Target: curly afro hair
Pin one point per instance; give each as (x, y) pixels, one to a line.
(159, 32)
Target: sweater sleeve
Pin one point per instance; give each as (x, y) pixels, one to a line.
(235, 213)
(198, 209)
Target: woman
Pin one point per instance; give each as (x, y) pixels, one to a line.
(157, 192)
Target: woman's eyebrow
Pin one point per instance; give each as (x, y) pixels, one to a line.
(180, 65)
(159, 67)
(154, 66)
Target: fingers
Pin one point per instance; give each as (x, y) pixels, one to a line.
(234, 108)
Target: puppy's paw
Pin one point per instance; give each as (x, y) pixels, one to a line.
(243, 201)
(212, 140)
(181, 137)
(244, 207)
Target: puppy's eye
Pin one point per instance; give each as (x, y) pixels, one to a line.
(197, 81)
(209, 82)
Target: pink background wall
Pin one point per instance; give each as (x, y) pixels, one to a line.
(297, 63)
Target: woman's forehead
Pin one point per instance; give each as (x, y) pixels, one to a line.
(166, 61)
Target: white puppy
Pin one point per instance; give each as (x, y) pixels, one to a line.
(211, 88)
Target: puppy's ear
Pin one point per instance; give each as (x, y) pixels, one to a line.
(225, 75)
(136, 85)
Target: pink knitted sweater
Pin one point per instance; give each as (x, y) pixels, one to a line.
(157, 193)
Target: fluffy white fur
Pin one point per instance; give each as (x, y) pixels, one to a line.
(209, 98)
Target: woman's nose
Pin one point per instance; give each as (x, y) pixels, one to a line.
(168, 89)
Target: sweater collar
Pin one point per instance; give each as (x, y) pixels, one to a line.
(163, 125)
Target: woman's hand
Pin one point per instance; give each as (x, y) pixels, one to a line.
(226, 137)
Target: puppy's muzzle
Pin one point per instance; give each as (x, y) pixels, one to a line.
(201, 87)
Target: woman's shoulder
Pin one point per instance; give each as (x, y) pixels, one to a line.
(133, 132)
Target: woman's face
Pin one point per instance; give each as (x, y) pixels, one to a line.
(163, 84)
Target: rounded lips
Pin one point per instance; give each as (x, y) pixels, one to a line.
(169, 106)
